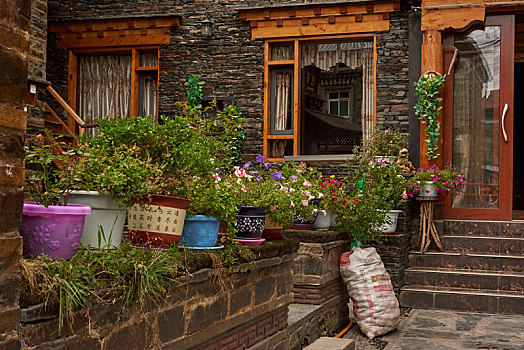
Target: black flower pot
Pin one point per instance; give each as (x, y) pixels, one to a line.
(250, 222)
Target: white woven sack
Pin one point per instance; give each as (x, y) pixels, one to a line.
(375, 306)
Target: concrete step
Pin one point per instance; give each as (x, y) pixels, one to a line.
(492, 245)
(324, 343)
(468, 261)
(471, 279)
(462, 299)
(484, 228)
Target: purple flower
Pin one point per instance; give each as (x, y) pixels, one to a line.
(260, 158)
(253, 173)
(258, 179)
(247, 165)
(277, 175)
(294, 178)
(267, 165)
(218, 170)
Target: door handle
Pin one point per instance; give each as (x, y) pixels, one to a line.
(503, 119)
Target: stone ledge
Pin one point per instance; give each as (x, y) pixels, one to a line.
(331, 343)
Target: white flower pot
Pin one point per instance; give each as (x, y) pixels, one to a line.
(391, 225)
(106, 215)
(323, 222)
(429, 190)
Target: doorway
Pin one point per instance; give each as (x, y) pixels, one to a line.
(478, 119)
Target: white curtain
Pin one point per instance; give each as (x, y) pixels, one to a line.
(104, 87)
(282, 100)
(149, 95)
(354, 55)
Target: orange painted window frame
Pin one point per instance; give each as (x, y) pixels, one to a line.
(297, 84)
(135, 73)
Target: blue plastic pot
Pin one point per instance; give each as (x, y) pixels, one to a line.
(200, 231)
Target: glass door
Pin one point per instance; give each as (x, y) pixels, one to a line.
(478, 119)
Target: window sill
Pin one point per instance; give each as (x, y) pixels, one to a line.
(321, 158)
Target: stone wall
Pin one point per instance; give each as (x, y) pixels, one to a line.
(230, 63)
(38, 40)
(204, 310)
(14, 48)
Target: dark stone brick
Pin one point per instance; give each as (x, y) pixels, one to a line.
(10, 341)
(9, 319)
(13, 81)
(264, 290)
(11, 205)
(206, 314)
(129, 337)
(171, 324)
(239, 299)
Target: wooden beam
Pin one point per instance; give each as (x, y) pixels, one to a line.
(135, 37)
(452, 18)
(299, 29)
(95, 25)
(432, 61)
(300, 12)
(267, 98)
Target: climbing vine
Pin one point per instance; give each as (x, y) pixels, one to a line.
(427, 90)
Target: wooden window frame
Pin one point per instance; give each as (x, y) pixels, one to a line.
(268, 64)
(136, 70)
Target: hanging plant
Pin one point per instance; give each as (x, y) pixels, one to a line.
(427, 90)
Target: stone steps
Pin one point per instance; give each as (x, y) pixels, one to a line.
(468, 261)
(469, 279)
(481, 269)
(493, 245)
(462, 299)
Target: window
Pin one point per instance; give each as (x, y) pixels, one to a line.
(114, 85)
(319, 96)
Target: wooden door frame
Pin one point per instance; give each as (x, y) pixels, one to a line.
(504, 212)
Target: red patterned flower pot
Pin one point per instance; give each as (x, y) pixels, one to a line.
(159, 223)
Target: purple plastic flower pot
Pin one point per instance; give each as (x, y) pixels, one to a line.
(54, 231)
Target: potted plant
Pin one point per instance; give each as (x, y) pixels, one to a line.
(427, 90)
(212, 200)
(187, 145)
(430, 181)
(49, 226)
(383, 146)
(107, 178)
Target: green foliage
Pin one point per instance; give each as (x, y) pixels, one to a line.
(118, 171)
(124, 275)
(427, 90)
(386, 143)
(43, 176)
(194, 91)
(446, 180)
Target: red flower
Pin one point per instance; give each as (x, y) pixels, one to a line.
(334, 195)
(344, 201)
(147, 146)
(39, 137)
(356, 200)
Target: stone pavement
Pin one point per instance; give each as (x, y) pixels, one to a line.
(442, 330)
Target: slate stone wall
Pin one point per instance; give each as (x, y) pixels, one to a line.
(14, 48)
(230, 63)
(232, 310)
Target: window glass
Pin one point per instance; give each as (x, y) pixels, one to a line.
(281, 101)
(104, 87)
(147, 91)
(282, 52)
(337, 96)
(148, 58)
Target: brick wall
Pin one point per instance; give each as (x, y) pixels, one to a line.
(231, 63)
(38, 39)
(205, 310)
(14, 47)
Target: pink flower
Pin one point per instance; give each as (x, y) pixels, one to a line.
(320, 195)
(387, 131)
(240, 172)
(307, 183)
(39, 137)
(216, 177)
(305, 202)
(292, 205)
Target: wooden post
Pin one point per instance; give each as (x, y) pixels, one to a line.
(432, 60)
